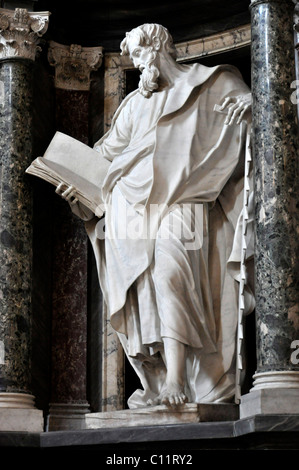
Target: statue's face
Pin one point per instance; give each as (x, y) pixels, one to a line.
(139, 55)
(145, 59)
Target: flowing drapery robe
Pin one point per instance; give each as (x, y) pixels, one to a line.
(165, 272)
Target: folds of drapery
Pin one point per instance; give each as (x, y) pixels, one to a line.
(155, 286)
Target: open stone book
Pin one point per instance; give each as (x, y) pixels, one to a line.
(72, 163)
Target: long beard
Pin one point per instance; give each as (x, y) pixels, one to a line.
(149, 78)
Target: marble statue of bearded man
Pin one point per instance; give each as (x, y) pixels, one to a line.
(173, 197)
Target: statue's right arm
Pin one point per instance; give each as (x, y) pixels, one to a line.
(117, 139)
(111, 145)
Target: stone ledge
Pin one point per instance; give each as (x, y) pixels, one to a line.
(270, 424)
(279, 432)
(163, 415)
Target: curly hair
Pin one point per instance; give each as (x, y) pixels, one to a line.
(146, 34)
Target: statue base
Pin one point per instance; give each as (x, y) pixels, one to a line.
(163, 415)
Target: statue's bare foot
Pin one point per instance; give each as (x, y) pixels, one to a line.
(172, 394)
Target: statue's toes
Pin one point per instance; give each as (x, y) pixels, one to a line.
(153, 401)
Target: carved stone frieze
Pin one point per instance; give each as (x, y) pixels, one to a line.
(21, 31)
(73, 64)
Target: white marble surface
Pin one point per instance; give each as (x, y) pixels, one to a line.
(115, 80)
(271, 401)
(116, 65)
(16, 419)
(276, 379)
(21, 32)
(162, 415)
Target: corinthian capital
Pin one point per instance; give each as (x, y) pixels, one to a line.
(20, 32)
(73, 64)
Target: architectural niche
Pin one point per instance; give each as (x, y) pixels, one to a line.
(116, 67)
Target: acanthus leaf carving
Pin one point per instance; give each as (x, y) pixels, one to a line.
(20, 32)
(73, 64)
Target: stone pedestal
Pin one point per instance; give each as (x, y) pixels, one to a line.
(163, 415)
(272, 401)
(16, 143)
(64, 417)
(18, 413)
(276, 164)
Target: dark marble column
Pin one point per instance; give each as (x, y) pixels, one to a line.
(69, 298)
(295, 94)
(69, 396)
(16, 223)
(276, 163)
(16, 227)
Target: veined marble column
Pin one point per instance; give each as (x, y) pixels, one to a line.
(69, 397)
(19, 43)
(276, 163)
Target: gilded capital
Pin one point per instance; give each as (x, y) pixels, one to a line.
(73, 64)
(21, 31)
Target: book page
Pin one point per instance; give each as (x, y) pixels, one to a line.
(73, 163)
(77, 157)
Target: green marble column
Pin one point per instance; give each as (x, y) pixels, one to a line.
(16, 144)
(16, 223)
(276, 164)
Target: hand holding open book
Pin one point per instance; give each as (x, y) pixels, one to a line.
(75, 169)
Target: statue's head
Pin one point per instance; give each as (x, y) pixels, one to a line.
(143, 44)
